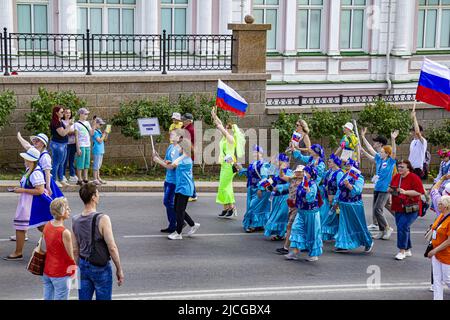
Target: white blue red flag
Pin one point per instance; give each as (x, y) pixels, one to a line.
(354, 173)
(434, 84)
(230, 100)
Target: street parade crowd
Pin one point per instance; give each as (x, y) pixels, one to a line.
(299, 197)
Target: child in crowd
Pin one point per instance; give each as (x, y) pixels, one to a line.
(176, 121)
(98, 149)
(83, 133)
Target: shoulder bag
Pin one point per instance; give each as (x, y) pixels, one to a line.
(97, 256)
(37, 261)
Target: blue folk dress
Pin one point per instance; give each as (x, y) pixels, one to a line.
(279, 212)
(328, 217)
(306, 230)
(257, 208)
(45, 163)
(353, 231)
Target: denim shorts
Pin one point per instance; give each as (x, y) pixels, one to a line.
(98, 160)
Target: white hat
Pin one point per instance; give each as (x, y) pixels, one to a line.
(299, 168)
(176, 116)
(447, 189)
(31, 155)
(349, 126)
(41, 136)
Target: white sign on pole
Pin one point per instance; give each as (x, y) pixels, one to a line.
(149, 127)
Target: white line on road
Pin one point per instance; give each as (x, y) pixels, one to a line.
(277, 291)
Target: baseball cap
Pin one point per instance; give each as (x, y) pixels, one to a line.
(83, 111)
(41, 136)
(187, 116)
(381, 139)
(349, 126)
(32, 154)
(99, 121)
(176, 116)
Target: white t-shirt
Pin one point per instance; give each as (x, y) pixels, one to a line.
(417, 151)
(45, 161)
(70, 136)
(84, 136)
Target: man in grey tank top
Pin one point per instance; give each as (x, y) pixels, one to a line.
(94, 277)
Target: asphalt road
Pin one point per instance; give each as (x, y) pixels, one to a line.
(223, 262)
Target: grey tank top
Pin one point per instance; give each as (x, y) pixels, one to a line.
(82, 228)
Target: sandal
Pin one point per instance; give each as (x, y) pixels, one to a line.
(11, 258)
(276, 238)
(250, 230)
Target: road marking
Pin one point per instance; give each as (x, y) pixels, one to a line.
(272, 291)
(196, 235)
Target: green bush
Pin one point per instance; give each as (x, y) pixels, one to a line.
(38, 120)
(7, 105)
(199, 106)
(383, 118)
(439, 136)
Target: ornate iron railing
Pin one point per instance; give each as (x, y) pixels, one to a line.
(338, 100)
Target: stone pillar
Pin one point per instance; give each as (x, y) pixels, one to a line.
(249, 48)
(68, 24)
(148, 24)
(404, 25)
(6, 15)
(204, 16)
(290, 44)
(225, 16)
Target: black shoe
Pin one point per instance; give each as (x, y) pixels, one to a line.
(340, 250)
(167, 230)
(79, 183)
(85, 181)
(282, 251)
(224, 212)
(230, 213)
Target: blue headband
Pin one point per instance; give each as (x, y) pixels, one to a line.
(336, 159)
(283, 157)
(353, 163)
(312, 172)
(257, 148)
(318, 149)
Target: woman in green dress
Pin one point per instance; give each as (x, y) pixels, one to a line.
(231, 146)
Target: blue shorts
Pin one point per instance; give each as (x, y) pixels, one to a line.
(98, 160)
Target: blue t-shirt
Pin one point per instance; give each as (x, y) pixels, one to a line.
(185, 178)
(384, 170)
(99, 147)
(172, 154)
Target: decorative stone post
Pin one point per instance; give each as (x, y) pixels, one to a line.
(249, 46)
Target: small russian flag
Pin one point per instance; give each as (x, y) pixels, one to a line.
(306, 183)
(296, 137)
(230, 100)
(434, 84)
(265, 183)
(354, 173)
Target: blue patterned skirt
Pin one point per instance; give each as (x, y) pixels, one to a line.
(278, 217)
(257, 209)
(306, 232)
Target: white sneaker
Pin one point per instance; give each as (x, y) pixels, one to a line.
(377, 236)
(175, 236)
(291, 256)
(64, 179)
(312, 259)
(387, 233)
(369, 249)
(13, 238)
(408, 253)
(64, 183)
(400, 256)
(58, 184)
(193, 229)
(373, 227)
(73, 179)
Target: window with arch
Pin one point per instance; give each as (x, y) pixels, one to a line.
(352, 24)
(309, 24)
(433, 24)
(266, 11)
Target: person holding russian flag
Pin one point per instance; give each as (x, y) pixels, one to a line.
(276, 225)
(329, 216)
(258, 205)
(352, 232)
(306, 231)
(317, 154)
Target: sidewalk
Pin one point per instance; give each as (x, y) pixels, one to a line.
(157, 186)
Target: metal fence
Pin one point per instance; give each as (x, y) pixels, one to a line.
(338, 100)
(45, 52)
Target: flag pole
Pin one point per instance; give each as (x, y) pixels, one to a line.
(153, 145)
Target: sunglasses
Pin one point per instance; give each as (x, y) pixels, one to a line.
(401, 167)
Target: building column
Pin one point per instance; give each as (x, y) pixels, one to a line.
(333, 50)
(404, 26)
(147, 13)
(204, 16)
(290, 41)
(68, 24)
(6, 15)
(225, 16)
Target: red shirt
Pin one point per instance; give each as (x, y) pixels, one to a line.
(58, 264)
(410, 182)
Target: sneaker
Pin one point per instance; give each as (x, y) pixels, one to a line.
(73, 179)
(10, 258)
(193, 229)
(13, 238)
(175, 236)
(400, 256)
(282, 251)
(373, 227)
(408, 253)
(193, 199)
(64, 183)
(377, 236)
(58, 184)
(369, 249)
(312, 259)
(64, 179)
(222, 215)
(97, 183)
(231, 213)
(387, 233)
(291, 256)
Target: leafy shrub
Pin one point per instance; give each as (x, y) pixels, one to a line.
(439, 136)
(383, 118)
(7, 105)
(119, 170)
(38, 120)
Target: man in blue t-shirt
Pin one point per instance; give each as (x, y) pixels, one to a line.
(385, 165)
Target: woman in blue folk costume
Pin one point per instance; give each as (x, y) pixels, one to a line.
(279, 211)
(315, 160)
(306, 231)
(353, 231)
(258, 205)
(328, 215)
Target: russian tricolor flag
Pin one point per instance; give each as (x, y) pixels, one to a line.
(230, 100)
(434, 84)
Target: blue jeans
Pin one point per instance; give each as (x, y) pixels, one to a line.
(169, 203)
(404, 222)
(56, 288)
(59, 151)
(70, 159)
(95, 279)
